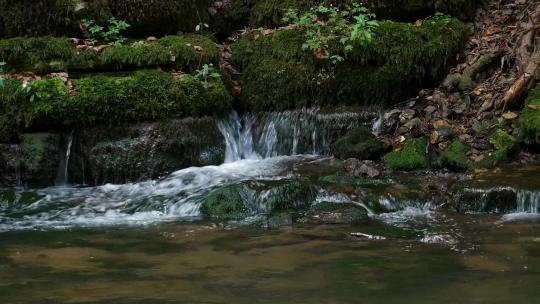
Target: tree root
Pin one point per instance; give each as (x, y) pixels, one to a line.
(527, 62)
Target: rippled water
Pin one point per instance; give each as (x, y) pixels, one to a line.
(208, 263)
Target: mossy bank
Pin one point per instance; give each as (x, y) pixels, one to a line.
(402, 58)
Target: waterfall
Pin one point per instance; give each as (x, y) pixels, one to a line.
(528, 201)
(305, 131)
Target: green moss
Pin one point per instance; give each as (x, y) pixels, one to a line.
(529, 123)
(279, 74)
(455, 156)
(358, 143)
(501, 140)
(61, 17)
(145, 95)
(48, 54)
(412, 157)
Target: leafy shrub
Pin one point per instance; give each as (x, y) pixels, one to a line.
(331, 33)
(96, 33)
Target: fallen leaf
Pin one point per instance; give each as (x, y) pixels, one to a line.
(532, 107)
(510, 115)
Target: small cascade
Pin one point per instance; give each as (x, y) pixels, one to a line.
(305, 131)
(62, 178)
(528, 201)
(238, 135)
(68, 154)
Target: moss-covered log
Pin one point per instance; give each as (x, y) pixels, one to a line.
(62, 17)
(146, 95)
(402, 59)
(49, 54)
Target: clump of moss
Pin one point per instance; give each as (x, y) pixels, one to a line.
(412, 157)
(49, 54)
(455, 156)
(145, 95)
(501, 140)
(402, 58)
(529, 123)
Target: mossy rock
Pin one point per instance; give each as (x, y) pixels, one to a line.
(334, 213)
(413, 156)
(402, 58)
(62, 17)
(145, 95)
(126, 153)
(51, 54)
(529, 122)
(455, 156)
(239, 201)
(358, 143)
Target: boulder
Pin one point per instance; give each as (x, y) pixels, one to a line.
(358, 143)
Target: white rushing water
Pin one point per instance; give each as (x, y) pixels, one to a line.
(177, 196)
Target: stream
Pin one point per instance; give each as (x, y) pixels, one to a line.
(148, 242)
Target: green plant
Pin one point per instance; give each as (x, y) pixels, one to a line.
(331, 33)
(96, 33)
(2, 77)
(207, 73)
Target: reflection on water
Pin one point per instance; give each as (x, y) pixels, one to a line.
(210, 263)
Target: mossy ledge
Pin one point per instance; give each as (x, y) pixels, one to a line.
(269, 13)
(51, 54)
(145, 95)
(62, 17)
(278, 74)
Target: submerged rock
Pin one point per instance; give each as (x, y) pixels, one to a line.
(358, 168)
(334, 213)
